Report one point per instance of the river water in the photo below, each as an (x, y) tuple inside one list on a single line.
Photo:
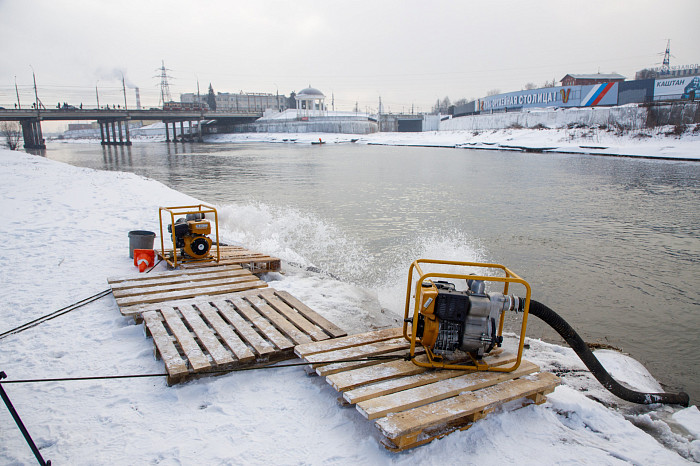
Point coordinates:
[(612, 244)]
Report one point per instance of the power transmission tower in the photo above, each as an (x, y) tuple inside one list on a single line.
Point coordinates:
[(164, 86), (666, 65)]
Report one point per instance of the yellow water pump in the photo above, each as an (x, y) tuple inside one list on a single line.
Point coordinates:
[(458, 327), (189, 233)]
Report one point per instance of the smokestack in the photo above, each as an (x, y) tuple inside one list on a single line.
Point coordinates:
[(138, 98)]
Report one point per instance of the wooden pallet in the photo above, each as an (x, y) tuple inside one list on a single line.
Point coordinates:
[(137, 294), (231, 255), (411, 405), (226, 332)]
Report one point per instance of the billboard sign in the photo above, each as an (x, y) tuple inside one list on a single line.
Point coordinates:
[(677, 87), (566, 96), (599, 94)]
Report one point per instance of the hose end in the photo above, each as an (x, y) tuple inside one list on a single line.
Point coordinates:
[(683, 399)]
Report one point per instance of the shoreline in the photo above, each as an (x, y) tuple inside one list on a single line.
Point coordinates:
[(660, 143)]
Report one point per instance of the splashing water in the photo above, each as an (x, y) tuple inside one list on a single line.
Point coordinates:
[(295, 237), (305, 240)]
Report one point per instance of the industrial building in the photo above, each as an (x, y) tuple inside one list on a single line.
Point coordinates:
[(590, 79), (240, 102)]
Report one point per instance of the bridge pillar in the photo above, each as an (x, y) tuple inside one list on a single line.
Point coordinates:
[(126, 130), (31, 132), (182, 131), (167, 132), (116, 135)]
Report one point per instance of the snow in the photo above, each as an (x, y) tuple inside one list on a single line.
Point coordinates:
[(292, 114), (660, 142), (689, 418), (66, 232), (556, 136)]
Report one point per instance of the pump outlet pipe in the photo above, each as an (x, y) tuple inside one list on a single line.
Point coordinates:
[(555, 321)]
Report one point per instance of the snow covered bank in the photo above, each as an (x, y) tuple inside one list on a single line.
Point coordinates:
[(596, 139), (660, 142), (69, 233)]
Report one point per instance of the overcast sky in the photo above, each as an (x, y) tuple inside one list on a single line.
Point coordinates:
[(408, 52)]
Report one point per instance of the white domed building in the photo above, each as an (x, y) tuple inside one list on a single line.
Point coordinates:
[(310, 103), (311, 115)]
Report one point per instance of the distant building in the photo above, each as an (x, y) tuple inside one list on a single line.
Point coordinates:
[(310, 103), (81, 126), (680, 71), (590, 79), (241, 102)]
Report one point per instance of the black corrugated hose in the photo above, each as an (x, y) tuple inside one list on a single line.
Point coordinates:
[(555, 321)]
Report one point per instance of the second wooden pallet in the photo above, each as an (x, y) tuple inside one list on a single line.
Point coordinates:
[(412, 405)]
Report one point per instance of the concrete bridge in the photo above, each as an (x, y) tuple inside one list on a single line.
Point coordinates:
[(114, 128)]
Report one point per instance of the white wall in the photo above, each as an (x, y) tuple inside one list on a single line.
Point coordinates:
[(628, 116)]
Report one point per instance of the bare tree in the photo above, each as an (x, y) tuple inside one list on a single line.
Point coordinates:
[(552, 83), (530, 86), (493, 92), (442, 106), (10, 131)]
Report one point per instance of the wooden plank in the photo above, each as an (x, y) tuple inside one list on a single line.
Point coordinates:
[(168, 273), (348, 380), (391, 387), (211, 274), (182, 286), (270, 295), (357, 352), (387, 387), (244, 328), (206, 336), (132, 311), (341, 367), (354, 352), (347, 342), (196, 358), (418, 396), (270, 332), (174, 363), (239, 349), (269, 264), (311, 315), (461, 406), (223, 250), (191, 293), (351, 379), (279, 321)]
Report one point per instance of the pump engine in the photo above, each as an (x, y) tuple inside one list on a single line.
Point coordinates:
[(457, 327), (189, 233), (451, 320)]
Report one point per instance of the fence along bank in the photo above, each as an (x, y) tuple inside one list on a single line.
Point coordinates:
[(604, 94)]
